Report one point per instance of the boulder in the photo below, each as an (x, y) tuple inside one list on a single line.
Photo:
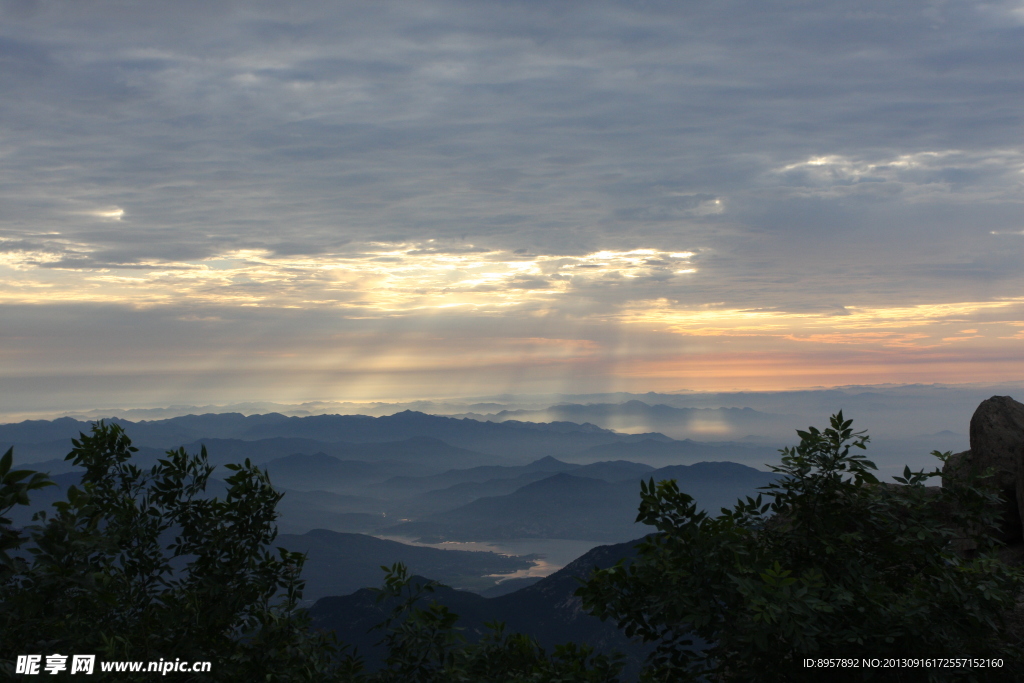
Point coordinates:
[(997, 441)]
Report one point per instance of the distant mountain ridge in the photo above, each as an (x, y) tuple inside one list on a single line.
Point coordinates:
[(635, 415), (566, 505), (664, 452), (518, 441)]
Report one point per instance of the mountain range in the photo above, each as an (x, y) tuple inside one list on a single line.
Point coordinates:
[(547, 610), (515, 442), (568, 505), (395, 476), (340, 563), (637, 416)]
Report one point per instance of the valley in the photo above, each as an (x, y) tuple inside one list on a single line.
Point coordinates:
[(470, 503)]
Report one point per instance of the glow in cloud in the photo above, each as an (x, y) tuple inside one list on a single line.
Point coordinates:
[(31, 253), (114, 214), (920, 327), (376, 277), (919, 174)]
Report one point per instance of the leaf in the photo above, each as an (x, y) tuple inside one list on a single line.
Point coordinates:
[(6, 461)]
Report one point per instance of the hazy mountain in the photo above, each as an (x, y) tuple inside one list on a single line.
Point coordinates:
[(302, 511), (886, 411), (62, 430), (715, 485), (519, 442), (510, 586), (574, 507), (560, 506), (404, 486), (44, 498), (613, 470), (52, 452), (222, 451), (324, 472), (48, 456), (339, 563), (414, 455), (161, 434), (423, 450), (662, 453), (439, 500), (637, 416), (547, 609)]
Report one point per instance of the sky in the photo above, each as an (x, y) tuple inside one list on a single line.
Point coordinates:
[(264, 201)]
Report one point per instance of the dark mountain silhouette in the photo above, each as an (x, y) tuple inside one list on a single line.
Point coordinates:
[(560, 506), (222, 451), (428, 451), (435, 500), (547, 609), (62, 430), (662, 452), (613, 470), (420, 455), (339, 563), (440, 500), (704, 477), (302, 511), (325, 472), (48, 456), (520, 442), (635, 415), (405, 485), (510, 586), (573, 507), (517, 440)]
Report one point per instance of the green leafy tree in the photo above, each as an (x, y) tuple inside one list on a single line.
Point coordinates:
[(834, 565), (144, 565), (425, 646), (14, 489)]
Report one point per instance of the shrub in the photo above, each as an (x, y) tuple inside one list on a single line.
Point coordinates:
[(833, 565), (141, 566)]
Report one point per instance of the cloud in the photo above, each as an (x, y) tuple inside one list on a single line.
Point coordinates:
[(114, 214), (608, 164), (380, 278), (981, 175)]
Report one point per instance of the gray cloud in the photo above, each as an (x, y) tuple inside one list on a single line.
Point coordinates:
[(813, 156)]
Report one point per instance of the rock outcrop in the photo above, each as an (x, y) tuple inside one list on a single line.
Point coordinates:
[(997, 441)]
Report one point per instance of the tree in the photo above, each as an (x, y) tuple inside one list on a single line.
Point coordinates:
[(835, 565), (14, 489), (146, 565), (425, 646), (141, 566)]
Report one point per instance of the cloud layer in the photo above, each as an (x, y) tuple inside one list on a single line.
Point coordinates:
[(616, 188)]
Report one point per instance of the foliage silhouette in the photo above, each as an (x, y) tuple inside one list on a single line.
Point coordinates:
[(833, 565), (144, 565), (827, 562), (141, 566)]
